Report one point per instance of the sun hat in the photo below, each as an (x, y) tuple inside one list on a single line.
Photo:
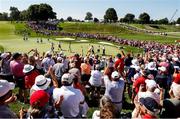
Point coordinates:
[(151, 66), (40, 97), (115, 74), (150, 83), (4, 55), (41, 83), (5, 87), (150, 104), (28, 68), (163, 69), (67, 77)]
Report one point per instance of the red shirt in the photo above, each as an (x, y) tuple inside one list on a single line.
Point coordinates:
[(119, 64), (148, 116), (30, 78), (138, 82)]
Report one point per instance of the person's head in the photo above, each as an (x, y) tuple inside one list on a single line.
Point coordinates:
[(38, 100), (6, 95), (67, 79), (162, 69), (41, 83), (105, 99), (149, 106), (25, 58), (108, 71), (151, 85), (115, 76), (118, 55), (28, 68), (108, 111), (59, 59), (32, 60), (17, 56)]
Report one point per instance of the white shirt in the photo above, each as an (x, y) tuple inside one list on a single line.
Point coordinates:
[(96, 78), (71, 102)]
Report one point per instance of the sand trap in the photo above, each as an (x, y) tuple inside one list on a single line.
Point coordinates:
[(65, 39), (105, 43)]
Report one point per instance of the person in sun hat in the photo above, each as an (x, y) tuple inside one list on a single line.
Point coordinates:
[(73, 98), (41, 83), (114, 90), (6, 97), (5, 70), (30, 75)]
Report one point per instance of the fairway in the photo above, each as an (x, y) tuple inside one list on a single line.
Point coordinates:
[(15, 43)]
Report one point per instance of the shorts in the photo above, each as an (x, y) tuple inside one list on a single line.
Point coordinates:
[(20, 82)]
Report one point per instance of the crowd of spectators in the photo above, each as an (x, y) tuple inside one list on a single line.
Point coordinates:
[(56, 85)]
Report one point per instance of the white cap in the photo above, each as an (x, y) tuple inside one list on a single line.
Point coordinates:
[(5, 87), (67, 77), (150, 83), (28, 68), (41, 83), (151, 66), (135, 62), (175, 58), (163, 69), (115, 74)]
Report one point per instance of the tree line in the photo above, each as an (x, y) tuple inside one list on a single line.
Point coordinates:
[(45, 11)]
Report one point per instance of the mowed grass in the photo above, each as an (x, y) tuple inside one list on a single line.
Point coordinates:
[(113, 29), (156, 27)]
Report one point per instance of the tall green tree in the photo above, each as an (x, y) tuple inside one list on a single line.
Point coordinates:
[(14, 13), (88, 16), (144, 18), (69, 18), (129, 18), (23, 15), (40, 12), (163, 21), (178, 21), (110, 15), (4, 16)]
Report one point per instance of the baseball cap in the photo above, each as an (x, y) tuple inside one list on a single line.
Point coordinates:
[(39, 96), (115, 74), (150, 83), (67, 77), (5, 87), (163, 69)]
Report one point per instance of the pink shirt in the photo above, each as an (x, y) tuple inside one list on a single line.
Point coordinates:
[(17, 68)]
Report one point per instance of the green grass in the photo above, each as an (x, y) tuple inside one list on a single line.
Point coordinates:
[(115, 30), (156, 27)]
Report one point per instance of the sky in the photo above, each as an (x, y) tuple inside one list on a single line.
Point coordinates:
[(77, 9)]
